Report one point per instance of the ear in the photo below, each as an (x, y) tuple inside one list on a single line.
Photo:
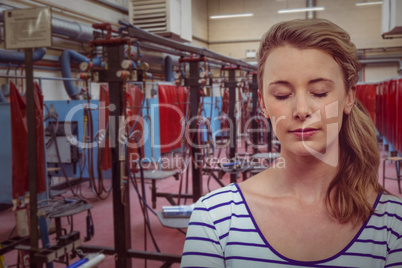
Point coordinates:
[(262, 104), (350, 100)]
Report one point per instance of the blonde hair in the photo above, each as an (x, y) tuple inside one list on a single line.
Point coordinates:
[(359, 157)]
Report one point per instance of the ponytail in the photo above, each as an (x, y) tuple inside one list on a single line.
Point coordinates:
[(359, 161)]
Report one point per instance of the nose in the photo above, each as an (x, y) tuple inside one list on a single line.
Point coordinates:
[(302, 107)]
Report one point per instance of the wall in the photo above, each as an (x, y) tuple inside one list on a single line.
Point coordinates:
[(232, 37), (378, 72), (200, 24), (362, 22)]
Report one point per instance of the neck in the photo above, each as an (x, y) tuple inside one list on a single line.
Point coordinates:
[(306, 178)]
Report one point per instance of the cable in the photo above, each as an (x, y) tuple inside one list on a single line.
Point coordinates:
[(98, 188), (143, 197), (100, 159), (193, 134), (183, 145), (62, 205), (88, 127), (54, 138)]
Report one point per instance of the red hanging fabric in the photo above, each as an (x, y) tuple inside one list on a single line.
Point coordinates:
[(371, 100), (134, 99), (171, 98), (19, 142), (103, 120), (225, 109)]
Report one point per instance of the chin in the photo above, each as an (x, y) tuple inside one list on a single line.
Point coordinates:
[(307, 149)]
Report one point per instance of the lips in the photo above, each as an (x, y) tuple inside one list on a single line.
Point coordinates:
[(305, 132)]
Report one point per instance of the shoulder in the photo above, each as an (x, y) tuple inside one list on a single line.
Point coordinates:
[(388, 225), (221, 197), (220, 205), (388, 203), (388, 214)]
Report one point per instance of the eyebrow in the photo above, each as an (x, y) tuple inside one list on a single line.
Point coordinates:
[(321, 80), (279, 82), (286, 83)]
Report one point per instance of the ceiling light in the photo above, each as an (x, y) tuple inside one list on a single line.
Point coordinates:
[(231, 16), (365, 3), (281, 11)]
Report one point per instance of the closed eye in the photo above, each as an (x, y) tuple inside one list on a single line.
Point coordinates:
[(320, 95), (281, 97)]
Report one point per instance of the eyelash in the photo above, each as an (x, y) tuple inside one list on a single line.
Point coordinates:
[(321, 95), (284, 97)]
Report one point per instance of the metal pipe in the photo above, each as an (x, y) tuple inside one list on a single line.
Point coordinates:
[(155, 47), (384, 61), (234, 41), (72, 30), (144, 35), (310, 14), (41, 78), (169, 69), (115, 6), (397, 56)]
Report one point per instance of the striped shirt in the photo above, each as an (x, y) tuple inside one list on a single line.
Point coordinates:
[(223, 233)]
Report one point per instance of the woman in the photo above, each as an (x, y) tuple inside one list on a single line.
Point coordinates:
[(325, 207)]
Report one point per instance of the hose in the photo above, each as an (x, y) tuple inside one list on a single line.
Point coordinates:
[(98, 187), (65, 58), (142, 198), (18, 57)]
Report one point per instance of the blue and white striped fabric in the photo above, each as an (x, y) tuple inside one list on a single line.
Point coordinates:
[(223, 233)]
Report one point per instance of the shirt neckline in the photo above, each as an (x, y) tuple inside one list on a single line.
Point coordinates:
[(340, 253)]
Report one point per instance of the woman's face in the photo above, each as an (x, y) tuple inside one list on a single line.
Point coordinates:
[(304, 95)]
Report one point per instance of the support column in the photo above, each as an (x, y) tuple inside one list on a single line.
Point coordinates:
[(254, 125), (192, 81), (231, 84), (33, 196), (121, 197)]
